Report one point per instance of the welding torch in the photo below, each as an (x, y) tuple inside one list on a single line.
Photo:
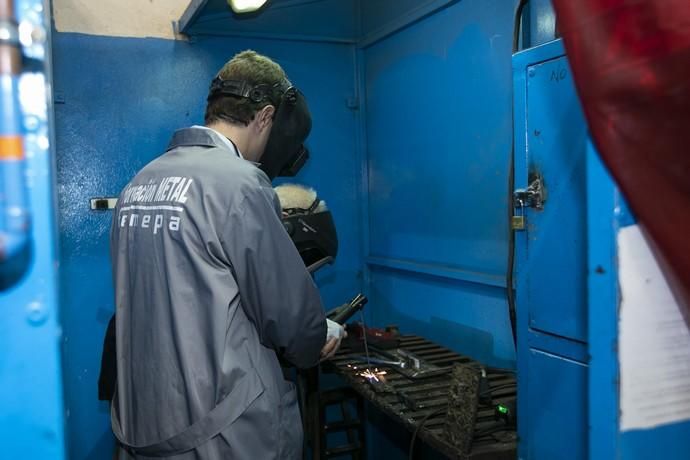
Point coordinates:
[(344, 312)]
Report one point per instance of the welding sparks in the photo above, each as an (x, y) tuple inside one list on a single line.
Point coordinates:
[(373, 375)]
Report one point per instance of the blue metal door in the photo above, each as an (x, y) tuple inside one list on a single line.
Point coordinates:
[(551, 257), (555, 244)]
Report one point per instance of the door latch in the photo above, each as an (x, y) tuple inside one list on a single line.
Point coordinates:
[(533, 196)]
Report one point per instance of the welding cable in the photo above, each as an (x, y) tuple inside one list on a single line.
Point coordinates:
[(517, 24), (510, 295), (500, 370), (496, 370), (420, 425), (492, 430), (499, 387)]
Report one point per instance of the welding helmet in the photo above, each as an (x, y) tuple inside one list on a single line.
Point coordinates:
[(285, 152), (309, 223)]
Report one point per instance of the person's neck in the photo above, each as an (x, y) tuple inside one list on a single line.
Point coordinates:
[(238, 135)]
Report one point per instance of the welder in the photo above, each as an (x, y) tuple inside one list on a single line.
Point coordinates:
[(210, 290)]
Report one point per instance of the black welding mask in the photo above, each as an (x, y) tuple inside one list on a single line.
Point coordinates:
[(310, 225), (285, 152)]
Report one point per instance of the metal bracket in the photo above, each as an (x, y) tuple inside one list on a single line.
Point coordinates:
[(103, 204), (534, 196)]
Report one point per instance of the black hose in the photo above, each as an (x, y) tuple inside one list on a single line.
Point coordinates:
[(493, 429), (517, 23), (498, 387), (419, 428), (510, 295)]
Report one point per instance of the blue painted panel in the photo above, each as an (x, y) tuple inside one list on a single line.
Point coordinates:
[(322, 20), (602, 286), (122, 100), (555, 265), (669, 442), (438, 139), (557, 419), (438, 111), (376, 14), (382, 18), (467, 317), (539, 22)]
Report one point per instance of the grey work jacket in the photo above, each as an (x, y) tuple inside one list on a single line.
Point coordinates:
[(209, 289)]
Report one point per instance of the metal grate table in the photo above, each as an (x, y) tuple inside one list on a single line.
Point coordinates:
[(430, 395)]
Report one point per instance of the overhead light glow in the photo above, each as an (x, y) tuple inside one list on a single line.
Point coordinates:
[(246, 6)]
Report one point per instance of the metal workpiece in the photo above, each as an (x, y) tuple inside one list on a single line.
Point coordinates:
[(382, 362), (405, 362)]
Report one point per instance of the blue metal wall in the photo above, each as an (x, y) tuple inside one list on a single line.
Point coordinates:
[(333, 21), (669, 442), (438, 126), (119, 101), (437, 99)]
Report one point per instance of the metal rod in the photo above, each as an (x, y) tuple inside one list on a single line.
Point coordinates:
[(364, 335)]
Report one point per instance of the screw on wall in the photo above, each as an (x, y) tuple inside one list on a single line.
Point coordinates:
[(352, 102), (36, 313)]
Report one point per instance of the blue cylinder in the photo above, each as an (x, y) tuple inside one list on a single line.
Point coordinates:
[(14, 220)]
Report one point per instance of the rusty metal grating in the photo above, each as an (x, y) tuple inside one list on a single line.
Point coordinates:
[(410, 401)]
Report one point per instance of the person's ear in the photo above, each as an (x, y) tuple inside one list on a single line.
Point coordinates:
[(265, 116)]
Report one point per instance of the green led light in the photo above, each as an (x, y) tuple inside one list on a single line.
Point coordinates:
[(502, 409)]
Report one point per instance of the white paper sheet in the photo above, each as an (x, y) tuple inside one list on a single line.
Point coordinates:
[(654, 341)]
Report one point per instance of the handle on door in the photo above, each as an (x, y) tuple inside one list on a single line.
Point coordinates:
[(534, 196)]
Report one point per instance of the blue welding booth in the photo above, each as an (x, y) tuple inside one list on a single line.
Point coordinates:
[(419, 108)]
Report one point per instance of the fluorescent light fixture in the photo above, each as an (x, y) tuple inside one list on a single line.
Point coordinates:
[(246, 6)]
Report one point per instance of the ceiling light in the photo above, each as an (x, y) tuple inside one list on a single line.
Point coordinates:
[(246, 6)]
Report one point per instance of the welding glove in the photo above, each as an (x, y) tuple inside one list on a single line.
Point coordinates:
[(334, 336)]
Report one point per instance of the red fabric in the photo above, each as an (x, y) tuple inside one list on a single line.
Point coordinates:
[(631, 63)]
